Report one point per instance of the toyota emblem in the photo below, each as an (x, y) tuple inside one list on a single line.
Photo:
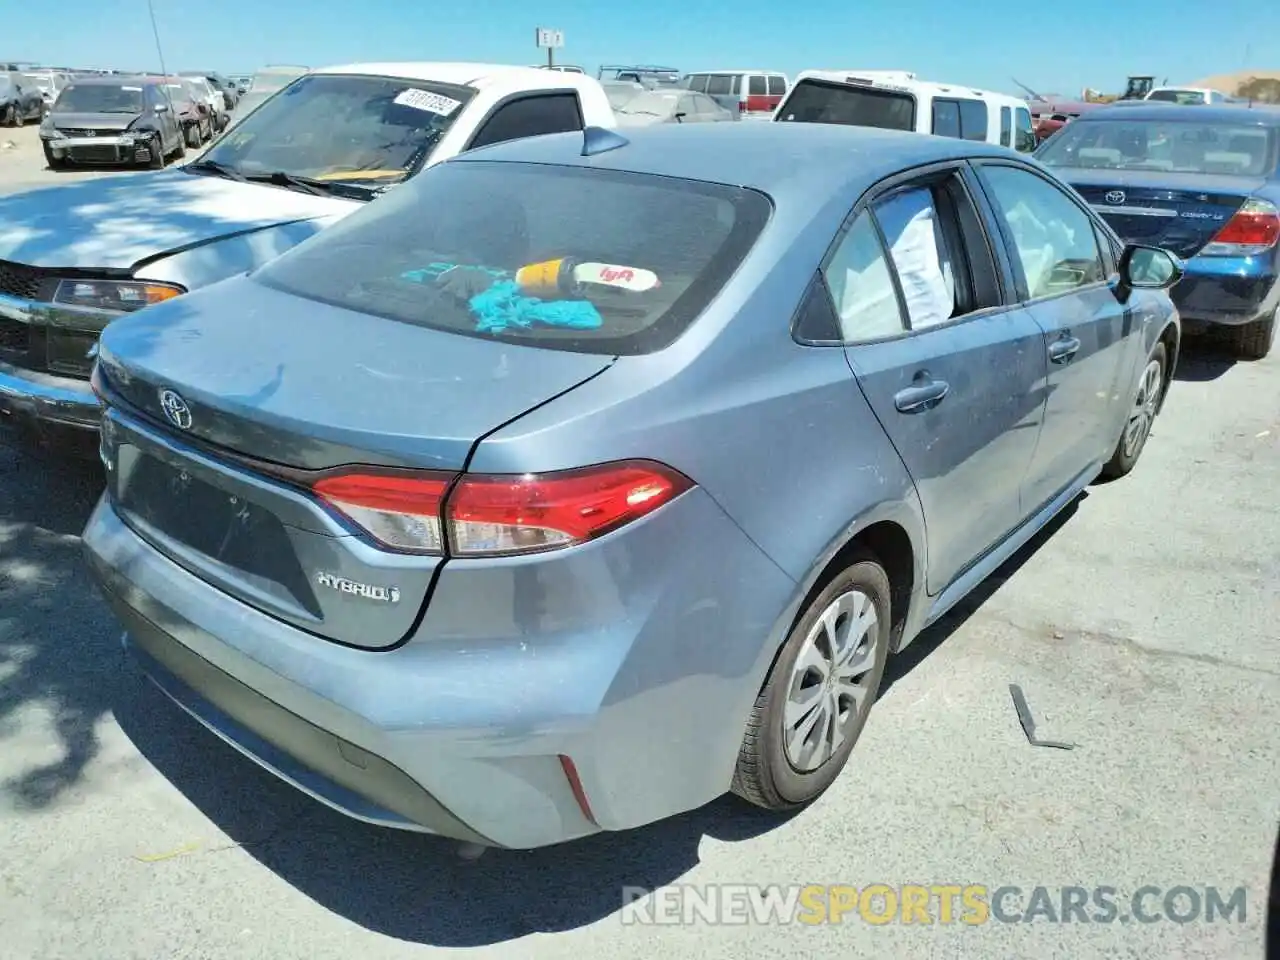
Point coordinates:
[(175, 409), (1115, 196)]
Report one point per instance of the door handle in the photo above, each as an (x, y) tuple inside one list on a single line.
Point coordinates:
[(1063, 349), (923, 394)]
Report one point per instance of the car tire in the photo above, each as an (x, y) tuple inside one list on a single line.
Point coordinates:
[(54, 163), (192, 136), (156, 149), (786, 759), (11, 117), (1253, 340), (1146, 395)]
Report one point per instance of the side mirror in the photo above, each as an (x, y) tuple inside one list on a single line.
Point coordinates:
[(162, 108), (1149, 268)]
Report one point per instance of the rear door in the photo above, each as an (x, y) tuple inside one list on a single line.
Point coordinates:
[(758, 100), (1065, 278), (954, 376), (1180, 212)]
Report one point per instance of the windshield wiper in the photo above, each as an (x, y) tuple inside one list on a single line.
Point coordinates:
[(279, 178), (220, 169)]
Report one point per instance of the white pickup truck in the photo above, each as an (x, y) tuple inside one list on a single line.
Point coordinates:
[(74, 257)]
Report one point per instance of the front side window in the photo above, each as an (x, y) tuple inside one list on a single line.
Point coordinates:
[(367, 131), (1055, 242), (1175, 146), (818, 101), (1006, 127), (531, 117), (100, 98), (861, 285), (566, 258)]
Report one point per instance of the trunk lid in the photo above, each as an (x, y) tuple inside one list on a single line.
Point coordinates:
[(1180, 212), (274, 386)]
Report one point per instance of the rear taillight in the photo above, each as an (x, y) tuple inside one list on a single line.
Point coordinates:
[(742, 106), (485, 515), (401, 511), (1254, 229)]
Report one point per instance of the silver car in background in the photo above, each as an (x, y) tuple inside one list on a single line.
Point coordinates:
[(670, 106)]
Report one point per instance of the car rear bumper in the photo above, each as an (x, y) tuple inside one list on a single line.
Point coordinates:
[(461, 731), (1226, 291)]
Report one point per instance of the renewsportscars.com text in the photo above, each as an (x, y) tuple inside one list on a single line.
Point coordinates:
[(926, 904)]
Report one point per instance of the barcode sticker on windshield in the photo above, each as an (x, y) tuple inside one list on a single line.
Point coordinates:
[(431, 102)]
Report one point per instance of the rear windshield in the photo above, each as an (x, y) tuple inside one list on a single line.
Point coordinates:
[(100, 98), (1177, 146), (816, 101), (1177, 96), (568, 258)]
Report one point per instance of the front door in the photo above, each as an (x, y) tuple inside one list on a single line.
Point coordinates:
[(954, 376), (1065, 279)]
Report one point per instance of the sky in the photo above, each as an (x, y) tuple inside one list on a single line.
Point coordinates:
[(981, 43)]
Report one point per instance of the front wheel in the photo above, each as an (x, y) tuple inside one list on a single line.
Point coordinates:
[(194, 140), (155, 160), (1253, 340), (1142, 414), (54, 162), (10, 116), (816, 700)]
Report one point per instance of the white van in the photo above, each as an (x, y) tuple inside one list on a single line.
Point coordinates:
[(897, 100), (748, 93)]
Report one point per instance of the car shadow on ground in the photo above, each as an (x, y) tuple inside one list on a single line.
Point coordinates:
[(1204, 358), (417, 888)]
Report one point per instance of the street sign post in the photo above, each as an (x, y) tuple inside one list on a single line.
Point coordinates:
[(549, 40)]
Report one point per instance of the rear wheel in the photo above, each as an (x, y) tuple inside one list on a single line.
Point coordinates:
[(10, 116), (1142, 414), (1253, 340), (818, 695)]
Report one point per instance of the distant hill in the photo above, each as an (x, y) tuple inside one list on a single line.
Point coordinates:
[(1262, 85)]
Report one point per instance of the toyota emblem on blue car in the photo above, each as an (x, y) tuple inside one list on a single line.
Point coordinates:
[(175, 409)]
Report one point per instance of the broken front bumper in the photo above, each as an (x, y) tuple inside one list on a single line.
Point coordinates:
[(122, 149), (45, 363)]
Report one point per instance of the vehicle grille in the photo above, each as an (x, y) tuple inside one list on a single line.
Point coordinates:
[(88, 133), (95, 154), (19, 280)]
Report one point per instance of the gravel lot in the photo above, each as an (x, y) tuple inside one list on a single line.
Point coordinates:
[(1144, 628)]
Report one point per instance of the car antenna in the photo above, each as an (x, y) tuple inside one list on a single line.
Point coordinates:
[(597, 140)]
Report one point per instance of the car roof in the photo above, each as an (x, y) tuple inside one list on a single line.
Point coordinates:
[(1258, 114), (466, 74), (788, 161), (770, 73), (116, 80)]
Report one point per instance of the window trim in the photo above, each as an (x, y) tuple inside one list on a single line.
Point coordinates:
[(938, 170), (511, 98), (1020, 288)]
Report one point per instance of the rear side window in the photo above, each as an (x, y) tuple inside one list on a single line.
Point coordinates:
[(567, 258), (719, 84), (817, 101), (777, 86), (530, 117), (946, 118), (861, 285), (1024, 140), (973, 120), (1006, 126), (757, 87)]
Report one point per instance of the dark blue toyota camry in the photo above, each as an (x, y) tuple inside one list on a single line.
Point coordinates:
[(1199, 181)]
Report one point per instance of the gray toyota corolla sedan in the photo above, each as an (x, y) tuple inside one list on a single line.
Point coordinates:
[(585, 479)]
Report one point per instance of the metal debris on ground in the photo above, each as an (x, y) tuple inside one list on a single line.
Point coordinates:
[(1029, 725)]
